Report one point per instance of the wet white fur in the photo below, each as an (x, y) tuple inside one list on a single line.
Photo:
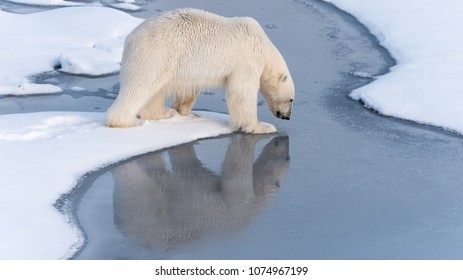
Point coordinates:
[(181, 52)]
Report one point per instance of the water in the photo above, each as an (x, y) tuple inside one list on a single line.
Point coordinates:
[(337, 182)]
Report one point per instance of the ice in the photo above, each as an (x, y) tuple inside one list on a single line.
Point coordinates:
[(47, 2), (27, 87), (56, 126), (126, 6), (426, 38), (79, 40), (90, 61), (362, 75), (120, 4)]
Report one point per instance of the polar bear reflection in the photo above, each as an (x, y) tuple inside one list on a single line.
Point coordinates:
[(163, 208)]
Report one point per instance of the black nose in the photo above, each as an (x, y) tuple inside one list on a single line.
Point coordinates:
[(282, 116)]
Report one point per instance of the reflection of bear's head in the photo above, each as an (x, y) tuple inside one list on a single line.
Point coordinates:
[(275, 158), (164, 207)]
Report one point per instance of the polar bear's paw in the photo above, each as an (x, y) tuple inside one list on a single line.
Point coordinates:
[(118, 121), (158, 115), (260, 128)]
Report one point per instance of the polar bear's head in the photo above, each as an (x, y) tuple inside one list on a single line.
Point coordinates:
[(278, 91)]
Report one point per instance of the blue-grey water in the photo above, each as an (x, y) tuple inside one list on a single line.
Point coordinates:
[(337, 182)]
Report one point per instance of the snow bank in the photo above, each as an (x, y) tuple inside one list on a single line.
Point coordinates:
[(126, 6), (120, 4), (80, 40), (43, 156), (46, 2), (426, 39)]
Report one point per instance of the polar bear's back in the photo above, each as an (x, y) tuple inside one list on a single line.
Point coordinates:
[(196, 26), (193, 41)]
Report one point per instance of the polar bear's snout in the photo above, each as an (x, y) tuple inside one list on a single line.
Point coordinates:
[(282, 110), (283, 116)]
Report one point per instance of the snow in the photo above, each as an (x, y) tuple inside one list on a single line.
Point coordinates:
[(126, 6), (121, 4), (46, 2), (44, 155), (426, 39), (83, 40)]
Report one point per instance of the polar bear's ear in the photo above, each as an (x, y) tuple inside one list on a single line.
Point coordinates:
[(283, 78)]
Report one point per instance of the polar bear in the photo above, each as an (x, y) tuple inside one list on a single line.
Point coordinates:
[(181, 52)]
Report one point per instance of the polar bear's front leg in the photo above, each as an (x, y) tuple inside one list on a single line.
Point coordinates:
[(242, 106)]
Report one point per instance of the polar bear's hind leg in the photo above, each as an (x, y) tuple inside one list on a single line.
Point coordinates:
[(185, 100), (155, 108)]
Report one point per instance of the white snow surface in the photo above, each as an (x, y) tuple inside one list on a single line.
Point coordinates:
[(426, 39), (83, 40), (44, 154), (47, 2), (126, 6), (120, 4)]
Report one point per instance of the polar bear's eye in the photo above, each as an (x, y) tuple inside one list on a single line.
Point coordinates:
[(283, 78)]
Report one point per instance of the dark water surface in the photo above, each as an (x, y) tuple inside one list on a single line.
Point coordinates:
[(337, 181)]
